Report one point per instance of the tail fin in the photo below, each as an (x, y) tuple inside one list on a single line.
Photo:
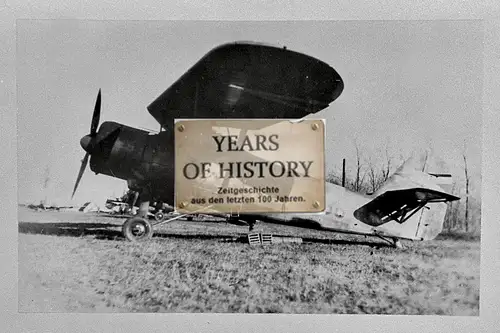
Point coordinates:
[(411, 174), (411, 204)]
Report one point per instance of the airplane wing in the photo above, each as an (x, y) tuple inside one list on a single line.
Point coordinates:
[(249, 80), (399, 205)]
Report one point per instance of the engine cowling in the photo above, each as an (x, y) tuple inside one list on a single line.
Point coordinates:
[(118, 151), (144, 160)]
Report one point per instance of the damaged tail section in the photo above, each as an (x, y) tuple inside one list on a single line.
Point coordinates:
[(411, 204)]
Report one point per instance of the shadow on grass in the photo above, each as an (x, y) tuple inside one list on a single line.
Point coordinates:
[(459, 236), (99, 230), (107, 231), (110, 231)]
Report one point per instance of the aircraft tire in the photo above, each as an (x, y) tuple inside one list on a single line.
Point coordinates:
[(159, 216), (137, 229), (398, 244)]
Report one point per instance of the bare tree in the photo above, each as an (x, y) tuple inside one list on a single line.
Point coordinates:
[(378, 175), (333, 178), (452, 212), (360, 175), (368, 173), (386, 171), (373, 178), (467, 179)]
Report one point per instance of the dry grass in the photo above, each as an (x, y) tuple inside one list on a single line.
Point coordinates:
[(175, 274)]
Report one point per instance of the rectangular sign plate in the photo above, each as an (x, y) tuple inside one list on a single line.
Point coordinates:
[(249, 166)]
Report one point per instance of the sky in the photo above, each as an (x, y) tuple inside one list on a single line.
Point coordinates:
[(409, 85)]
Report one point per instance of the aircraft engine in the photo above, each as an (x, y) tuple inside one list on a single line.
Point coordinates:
[(119, 151)]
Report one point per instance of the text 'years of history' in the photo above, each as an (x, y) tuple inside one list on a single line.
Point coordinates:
[(249, 165)]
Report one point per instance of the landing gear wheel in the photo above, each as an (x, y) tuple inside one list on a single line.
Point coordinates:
[(137, 229), (159, 216), (398, 244), (251, 225)]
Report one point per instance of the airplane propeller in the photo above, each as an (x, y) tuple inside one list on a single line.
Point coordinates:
[(88, 142), (96, 115)]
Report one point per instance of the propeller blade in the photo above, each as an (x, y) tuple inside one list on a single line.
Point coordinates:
[(96, 115), (80, 173)]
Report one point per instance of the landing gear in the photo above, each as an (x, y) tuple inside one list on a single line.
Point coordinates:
[(242, 220), (137, 229), (395, 242), (251, 225), (159, 216)]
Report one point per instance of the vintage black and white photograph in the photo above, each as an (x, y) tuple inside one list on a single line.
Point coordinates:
[(401, 102)]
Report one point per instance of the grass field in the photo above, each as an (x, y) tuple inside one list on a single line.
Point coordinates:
[(74, 262)]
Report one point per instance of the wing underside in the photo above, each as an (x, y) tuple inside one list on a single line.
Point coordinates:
[(244, 80)]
